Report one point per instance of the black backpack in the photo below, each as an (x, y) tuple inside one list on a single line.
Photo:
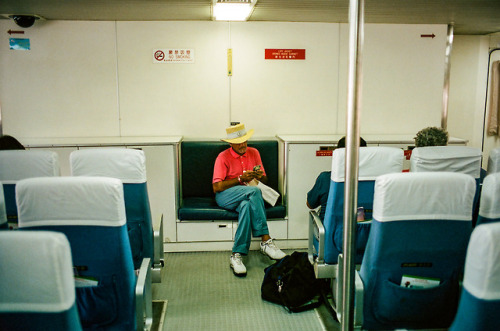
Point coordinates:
[(291, 282)]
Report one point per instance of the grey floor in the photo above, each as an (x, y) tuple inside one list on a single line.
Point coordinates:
[(203, 294)]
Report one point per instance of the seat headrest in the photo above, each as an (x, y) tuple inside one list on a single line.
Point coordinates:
[(482, 264), (94, 201), (494, 161), (463, 159), (36, 273), (490, 196), (423, 196), (128, 165), (3, 211), (20, 164), (373, 162)]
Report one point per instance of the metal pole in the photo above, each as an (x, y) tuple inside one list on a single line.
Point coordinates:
[(486, 96), (356, 21), (446, 86)]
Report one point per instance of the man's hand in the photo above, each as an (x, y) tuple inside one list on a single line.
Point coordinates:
[(258, 174), (249, 175)]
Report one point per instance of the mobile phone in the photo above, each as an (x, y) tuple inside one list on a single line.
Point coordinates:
[(256, 168)]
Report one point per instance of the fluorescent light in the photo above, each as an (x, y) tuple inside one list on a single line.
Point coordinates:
[(233, 11)]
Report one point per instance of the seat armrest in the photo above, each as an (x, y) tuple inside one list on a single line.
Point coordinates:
[(358, 295), (143, 297), (316, 230), (358, 300), (158, 253)]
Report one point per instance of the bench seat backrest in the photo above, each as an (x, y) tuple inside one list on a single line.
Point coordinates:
[(198, 160)]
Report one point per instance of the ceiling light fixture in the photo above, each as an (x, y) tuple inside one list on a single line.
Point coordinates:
[(233, 10)]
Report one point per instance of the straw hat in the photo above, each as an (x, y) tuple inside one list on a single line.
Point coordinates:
[(237, 134)]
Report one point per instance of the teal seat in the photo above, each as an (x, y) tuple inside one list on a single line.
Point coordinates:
[(21, 164), (90, 212), (3, 214), (489, 208), (37, 288), (128, 165), (416, 250)]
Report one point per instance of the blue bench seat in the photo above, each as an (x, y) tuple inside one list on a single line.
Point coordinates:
[(197, 164), (200, 208)]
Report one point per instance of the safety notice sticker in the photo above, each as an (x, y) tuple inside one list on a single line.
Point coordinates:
[(173, 55), (285, 54)]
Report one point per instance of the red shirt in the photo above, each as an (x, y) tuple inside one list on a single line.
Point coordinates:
[(230, 164)]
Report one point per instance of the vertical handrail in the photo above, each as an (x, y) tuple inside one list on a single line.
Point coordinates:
[(446, 85), (487, 94), (356, 24)]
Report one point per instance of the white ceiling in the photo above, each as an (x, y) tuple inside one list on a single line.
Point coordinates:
[(469, 16)]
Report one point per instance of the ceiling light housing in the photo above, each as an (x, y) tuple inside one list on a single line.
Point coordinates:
[(232, 10)]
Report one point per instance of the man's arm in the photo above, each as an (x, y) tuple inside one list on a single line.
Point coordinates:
[(319, 192), (242, 179), (224, 185)]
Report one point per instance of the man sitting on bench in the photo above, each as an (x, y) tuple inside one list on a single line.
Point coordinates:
[(234, 168)]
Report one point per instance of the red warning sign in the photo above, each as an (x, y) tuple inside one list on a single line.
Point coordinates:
[(285, 54), (324, 153), (407, 154)]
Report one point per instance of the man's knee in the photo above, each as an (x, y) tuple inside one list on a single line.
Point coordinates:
[(254, 190), (243, 204)]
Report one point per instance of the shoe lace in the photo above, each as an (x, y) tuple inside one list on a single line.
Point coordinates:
[(237, 258), (270, 244)]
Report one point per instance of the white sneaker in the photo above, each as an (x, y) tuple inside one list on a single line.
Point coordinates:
[(237, 265), (270, 249)]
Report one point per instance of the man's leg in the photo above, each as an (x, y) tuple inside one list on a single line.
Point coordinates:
[(237, 199), (258, 213), (253, 215), (247, 201)]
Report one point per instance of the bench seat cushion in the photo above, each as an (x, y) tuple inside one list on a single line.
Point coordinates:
[(195, 209)]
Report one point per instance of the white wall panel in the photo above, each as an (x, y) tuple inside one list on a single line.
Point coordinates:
[(303, 169), (173, 99), (490, 142), (469, 68), (285, 96), (65, 85), (403, 76), (99, 79)]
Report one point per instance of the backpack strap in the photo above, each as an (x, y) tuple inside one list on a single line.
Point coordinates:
[(315, 303)]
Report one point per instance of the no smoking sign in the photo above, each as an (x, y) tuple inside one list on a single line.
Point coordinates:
[(159, 55), (173, 55)]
